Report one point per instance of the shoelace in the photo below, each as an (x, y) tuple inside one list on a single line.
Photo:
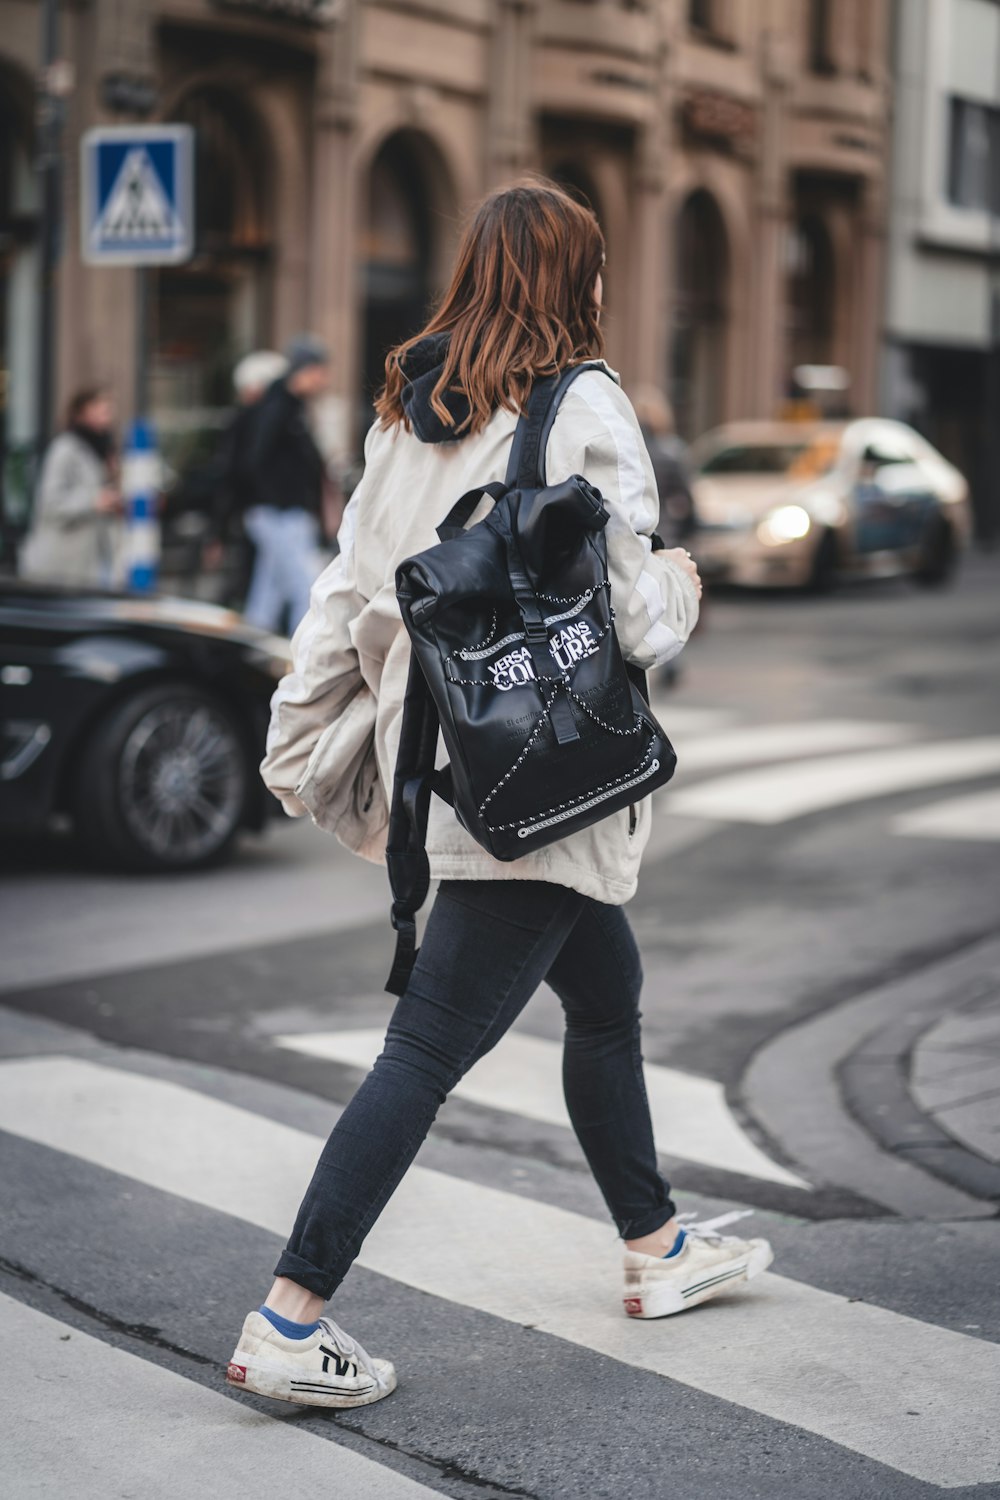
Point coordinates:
[(708, 1229), (350, 1346)]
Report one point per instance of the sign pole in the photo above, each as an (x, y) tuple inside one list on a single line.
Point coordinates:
[(137, 209), (141, 343), (49, 123)]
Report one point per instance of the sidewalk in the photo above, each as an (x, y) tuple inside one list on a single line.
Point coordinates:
[(955, 1076)]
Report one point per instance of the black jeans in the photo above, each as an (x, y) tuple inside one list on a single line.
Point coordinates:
[(488, 946)]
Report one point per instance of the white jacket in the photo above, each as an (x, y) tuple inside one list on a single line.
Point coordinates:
[(335, 719), (71, 541)]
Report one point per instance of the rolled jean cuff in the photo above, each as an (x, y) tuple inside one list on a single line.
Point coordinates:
[(649, 1223), (321, 1283)]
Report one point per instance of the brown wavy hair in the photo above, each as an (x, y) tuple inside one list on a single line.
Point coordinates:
[(521, 304)]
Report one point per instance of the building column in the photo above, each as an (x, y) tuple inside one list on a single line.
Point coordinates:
[(96, 318), (868, 279), (652, 257), (511, 147), (765, 349), (336, 206)]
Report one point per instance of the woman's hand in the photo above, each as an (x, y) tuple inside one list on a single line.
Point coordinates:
[(109, 500), (684, 561)]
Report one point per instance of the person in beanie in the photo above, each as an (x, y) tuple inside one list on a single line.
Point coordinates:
[(253, 377), (286, 479)]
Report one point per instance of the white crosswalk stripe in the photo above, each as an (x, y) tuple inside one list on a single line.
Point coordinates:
[(847, 1371), (128, 1427), (774, 794), (522, 1075), (745, 744), (974, 817)]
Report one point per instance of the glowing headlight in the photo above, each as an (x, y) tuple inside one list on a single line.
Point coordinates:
[(789, 523)]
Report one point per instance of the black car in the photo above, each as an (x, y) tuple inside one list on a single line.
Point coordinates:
[(143, 720)]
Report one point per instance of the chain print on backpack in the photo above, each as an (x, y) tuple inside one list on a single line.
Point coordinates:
[(563, 677), (591, 798), (563, 810), (489, 647), (532, 737)]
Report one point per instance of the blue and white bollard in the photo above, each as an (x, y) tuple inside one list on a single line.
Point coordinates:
[(141, 476)]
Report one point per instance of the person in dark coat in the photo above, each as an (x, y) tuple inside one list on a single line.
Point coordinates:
[(231, 491), (286, 482), (668, 455)]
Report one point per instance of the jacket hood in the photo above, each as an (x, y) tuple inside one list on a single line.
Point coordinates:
[(422, 368)]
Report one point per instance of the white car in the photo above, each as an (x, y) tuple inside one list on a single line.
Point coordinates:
[(797, 505)]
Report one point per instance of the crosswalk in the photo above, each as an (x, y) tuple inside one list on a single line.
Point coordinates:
[(691, 1118), (915, 1399), (141, 1430), (911, 1396), (768, 774)]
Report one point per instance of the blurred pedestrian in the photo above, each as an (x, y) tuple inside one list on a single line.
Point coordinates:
[(446, 423), (78, 529), (287, 483), (252, 378), (669, 457)]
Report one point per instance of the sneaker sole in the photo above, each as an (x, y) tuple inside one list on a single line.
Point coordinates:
[(667, 1300), (278, 1386)]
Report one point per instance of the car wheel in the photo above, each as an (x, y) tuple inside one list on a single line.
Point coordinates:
[(938, 555), (826, 559), (163, 781)]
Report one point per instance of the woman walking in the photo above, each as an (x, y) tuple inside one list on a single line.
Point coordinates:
[(77, 534), (524, 302)]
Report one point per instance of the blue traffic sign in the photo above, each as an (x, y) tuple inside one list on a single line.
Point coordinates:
[(137, 198)]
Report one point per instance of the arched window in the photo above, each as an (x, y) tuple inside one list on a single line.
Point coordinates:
[(811, 293), (700, 316), (407, 201), (215, 309), (19, 300), (820, 37)]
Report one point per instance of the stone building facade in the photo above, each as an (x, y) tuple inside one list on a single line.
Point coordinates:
[(941, 366), (735, 151)]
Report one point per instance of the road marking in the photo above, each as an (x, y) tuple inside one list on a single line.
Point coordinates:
[(973, 817), (523, 1076), (128, 1427), (777, 793), (742, 745), (846, 1371), (684, 720)]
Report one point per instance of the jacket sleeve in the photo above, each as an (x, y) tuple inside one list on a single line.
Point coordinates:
[(67, 490), (325, 675), (596, 434)]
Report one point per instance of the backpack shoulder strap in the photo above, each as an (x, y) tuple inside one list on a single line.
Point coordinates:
[(406, 851), (526, 467)]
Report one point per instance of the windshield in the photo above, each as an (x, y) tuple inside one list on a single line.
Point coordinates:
[(798, 458)]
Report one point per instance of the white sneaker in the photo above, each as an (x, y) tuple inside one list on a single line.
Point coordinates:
[(326, 1369), (708, 1263)]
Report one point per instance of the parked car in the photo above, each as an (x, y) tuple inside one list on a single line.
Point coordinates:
[(800, 505), (142, 719)]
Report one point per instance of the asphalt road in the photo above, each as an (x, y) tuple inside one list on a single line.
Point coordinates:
[(820, 923)]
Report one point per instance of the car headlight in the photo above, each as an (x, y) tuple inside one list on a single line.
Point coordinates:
[(788, 523)]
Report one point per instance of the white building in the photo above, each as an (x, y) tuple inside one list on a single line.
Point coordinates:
[(941, 368)]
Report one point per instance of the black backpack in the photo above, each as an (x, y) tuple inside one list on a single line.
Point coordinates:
[(516, 661)]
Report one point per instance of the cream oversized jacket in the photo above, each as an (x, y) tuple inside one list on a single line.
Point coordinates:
[(335, 719)]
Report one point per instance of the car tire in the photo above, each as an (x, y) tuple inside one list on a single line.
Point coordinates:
[(825, 565), (938, 556), (163, 781)]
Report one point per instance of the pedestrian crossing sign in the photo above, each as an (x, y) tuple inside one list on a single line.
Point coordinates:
[(137, 202)]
